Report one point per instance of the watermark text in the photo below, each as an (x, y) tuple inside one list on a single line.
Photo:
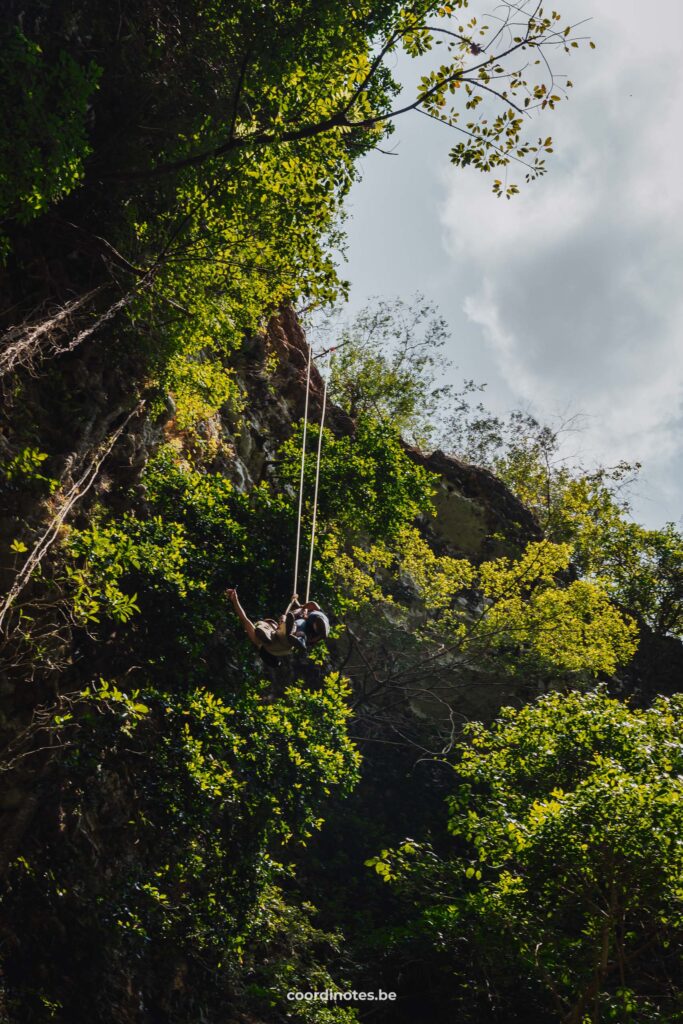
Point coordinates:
[(329, 995)]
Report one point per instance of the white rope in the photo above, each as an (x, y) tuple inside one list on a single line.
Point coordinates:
[(315, 495), (301, 478)]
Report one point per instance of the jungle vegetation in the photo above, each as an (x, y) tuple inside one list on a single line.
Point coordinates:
[(185, 836)]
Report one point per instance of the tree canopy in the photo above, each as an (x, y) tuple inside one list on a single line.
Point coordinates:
[(560, 896)]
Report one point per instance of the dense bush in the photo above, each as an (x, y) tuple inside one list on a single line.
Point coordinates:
[(560, 897)]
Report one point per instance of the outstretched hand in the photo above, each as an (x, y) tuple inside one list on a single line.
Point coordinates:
[(231, 594)]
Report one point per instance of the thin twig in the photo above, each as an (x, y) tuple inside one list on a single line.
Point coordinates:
[(75, 493)]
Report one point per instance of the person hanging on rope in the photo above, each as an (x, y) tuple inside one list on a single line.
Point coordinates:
[(301, 626)]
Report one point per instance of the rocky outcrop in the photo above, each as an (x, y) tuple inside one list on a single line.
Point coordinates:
[(477, 515), (656, 668)]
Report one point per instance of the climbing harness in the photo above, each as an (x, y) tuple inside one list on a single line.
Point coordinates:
[(301, 483)]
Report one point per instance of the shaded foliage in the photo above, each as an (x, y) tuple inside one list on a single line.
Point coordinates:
[(200, 795), (43, 125)]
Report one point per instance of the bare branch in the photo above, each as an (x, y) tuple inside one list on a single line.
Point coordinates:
[(25, 341), (73, 495)]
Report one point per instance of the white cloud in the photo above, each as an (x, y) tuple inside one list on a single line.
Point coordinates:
[(567, 298), (574, 286)]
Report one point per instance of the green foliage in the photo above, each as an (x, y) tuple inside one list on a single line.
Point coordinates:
[(564, 886), (107, 698), (222, 787), (24, 469), (277, 760), (200, 534), (236, 230), (369, 487), (641, 569), (104, 554), (173, 562), (331, 79), (573, 627), (525, 619), (476, 56), (525, 615), (387, 363), (242, 256), (201, 386), (288, 953), (42, 125), (225, 192)]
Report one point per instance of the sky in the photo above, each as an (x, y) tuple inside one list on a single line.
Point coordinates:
[(567, 299)]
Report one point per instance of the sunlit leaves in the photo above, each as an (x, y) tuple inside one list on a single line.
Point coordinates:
[(25, 469), (639, 568), (564, 885), (495, 64), (593, 790), (43, 140), (525, 615), (368, 485)]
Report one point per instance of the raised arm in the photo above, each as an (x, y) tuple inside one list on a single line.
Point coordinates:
[(243, 617)]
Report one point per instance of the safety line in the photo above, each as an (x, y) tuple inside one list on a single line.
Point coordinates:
[(315, 495), (301, 478)]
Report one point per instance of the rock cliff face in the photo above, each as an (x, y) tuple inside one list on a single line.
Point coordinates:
[(477, 517), (474, 508)]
